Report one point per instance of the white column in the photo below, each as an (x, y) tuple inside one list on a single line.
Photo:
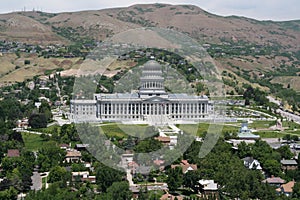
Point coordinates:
[(146, 111), (186, 112)]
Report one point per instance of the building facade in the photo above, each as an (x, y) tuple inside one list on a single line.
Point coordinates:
[(150, 103)]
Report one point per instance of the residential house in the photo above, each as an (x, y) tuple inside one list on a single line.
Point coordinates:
[(13, 153), (164, 140), (73, 156), (81, 147), (185, 166), (251, 163), (286, 189), (160, 164), (144, 170), (170, 197), (208, 188), (23, 124), (83, 176), (132, 166), (275, 181), (289, 164)]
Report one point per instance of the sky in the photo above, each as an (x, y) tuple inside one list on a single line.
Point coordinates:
[(277, 10)]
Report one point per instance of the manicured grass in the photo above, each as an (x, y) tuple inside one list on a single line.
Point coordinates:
[(202, 127), (290, 125), (293, 132), (49, 129), (123, 131), (33, 142), (270, 134), (261, 124)]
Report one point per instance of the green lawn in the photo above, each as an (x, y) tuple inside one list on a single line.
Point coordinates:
[(270, 134), (32, 141), (290, 125), (202, 127), (261, 124), (49, 129), (123, 131)]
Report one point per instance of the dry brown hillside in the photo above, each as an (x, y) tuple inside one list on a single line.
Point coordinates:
[(18, 27), (205, 26), (38, 27), (275, 38)]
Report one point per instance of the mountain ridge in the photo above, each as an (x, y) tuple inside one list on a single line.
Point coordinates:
[(190, 19)]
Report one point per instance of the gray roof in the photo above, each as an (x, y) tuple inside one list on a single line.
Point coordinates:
[(83, 101), (288, 162), (186, 96), (247, 135), (120, 96), (274, 180)]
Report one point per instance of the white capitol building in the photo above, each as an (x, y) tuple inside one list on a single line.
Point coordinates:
[(151, 104)]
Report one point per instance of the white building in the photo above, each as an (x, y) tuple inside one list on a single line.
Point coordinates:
[(150, 103)]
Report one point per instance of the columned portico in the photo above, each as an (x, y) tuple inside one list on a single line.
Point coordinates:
[(151, 102)]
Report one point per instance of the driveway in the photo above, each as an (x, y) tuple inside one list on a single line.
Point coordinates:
[(36, 181)]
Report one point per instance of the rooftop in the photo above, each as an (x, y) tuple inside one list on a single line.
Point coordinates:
[(13, 153), (288, 162), (73, 154), (286, 188), (208, 184), (274, 180)]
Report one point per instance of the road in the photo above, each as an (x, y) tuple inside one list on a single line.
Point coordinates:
[(32, 132), (129, 178), (289, 116)]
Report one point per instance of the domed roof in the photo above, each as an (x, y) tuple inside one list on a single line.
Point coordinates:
[(152, 65)]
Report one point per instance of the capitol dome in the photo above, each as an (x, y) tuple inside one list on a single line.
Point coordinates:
[(152, 65)]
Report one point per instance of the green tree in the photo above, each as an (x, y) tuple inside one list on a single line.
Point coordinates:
[(117, 191), (106, 176), (46, 110), (175, 178), (148, 145), (57, 173), (244, 150), (9, 194), (296, 191), (285, 152), (143, 194), (191, 178), (272, 167), (50, 156), (38, 121)]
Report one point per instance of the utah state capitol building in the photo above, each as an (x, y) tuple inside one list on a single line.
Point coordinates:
[(150, 104)]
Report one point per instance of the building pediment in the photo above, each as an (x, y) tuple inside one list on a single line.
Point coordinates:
[(156, 99)]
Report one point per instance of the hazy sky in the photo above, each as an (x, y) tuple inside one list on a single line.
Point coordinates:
[(258, 9)]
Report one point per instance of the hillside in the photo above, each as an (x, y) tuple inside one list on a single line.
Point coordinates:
[(243, 46), (207, 27)]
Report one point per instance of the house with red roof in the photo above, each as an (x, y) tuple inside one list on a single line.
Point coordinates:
[(186, 166), (286, 189), (13, 153)]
